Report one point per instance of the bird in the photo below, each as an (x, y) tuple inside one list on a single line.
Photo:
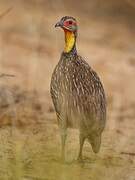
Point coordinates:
[(77, 93)]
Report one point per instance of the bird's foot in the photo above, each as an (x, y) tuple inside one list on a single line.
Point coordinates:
[(62, 160), (80, 159)]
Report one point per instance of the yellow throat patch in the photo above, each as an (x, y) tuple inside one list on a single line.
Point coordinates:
[(69, 41)]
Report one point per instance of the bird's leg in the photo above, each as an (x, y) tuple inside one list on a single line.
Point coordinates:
[(81, 139), (63, 141), (95, 142), (63, 131)]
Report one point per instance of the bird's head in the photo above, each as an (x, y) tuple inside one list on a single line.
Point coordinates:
[(69, 25)]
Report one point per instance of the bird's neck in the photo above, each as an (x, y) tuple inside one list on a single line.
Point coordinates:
[(70, 41)]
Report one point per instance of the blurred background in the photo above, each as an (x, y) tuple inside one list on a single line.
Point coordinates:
[(30, 47)]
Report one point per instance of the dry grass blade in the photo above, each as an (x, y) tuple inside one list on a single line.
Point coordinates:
[(131, 3), (128, 153), (6, 75), (5, 12)]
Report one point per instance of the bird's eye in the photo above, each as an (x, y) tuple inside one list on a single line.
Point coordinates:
[(70, 22)]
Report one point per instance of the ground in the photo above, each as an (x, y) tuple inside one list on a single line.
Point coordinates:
[(29, 49)]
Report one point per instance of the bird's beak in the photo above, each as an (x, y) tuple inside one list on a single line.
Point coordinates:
[(58, 24)]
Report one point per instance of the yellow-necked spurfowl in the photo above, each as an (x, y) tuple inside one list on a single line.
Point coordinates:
[(77, 92)]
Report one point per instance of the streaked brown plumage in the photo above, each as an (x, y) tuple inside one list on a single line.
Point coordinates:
[(78, 94)]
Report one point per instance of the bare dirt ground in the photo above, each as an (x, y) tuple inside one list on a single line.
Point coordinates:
[(29, 49)]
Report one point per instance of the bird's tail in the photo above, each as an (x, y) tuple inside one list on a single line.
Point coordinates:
[(95, 142)]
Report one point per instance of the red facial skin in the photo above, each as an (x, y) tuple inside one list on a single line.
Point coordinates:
[(68, 24)]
